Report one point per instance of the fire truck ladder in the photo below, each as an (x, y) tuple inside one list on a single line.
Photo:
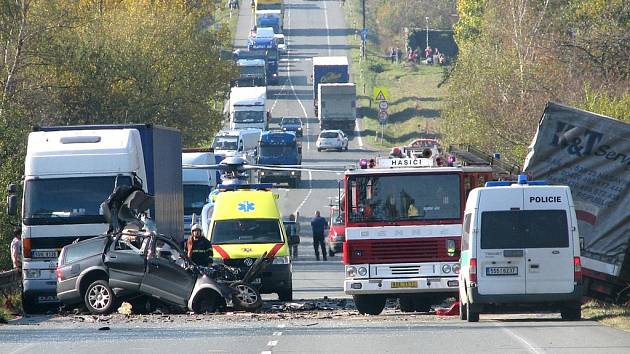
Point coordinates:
[(467, 155)]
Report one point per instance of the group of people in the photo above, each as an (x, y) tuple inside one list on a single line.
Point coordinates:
[(413, 56), (434, 57), (319, 226), (395, 55)]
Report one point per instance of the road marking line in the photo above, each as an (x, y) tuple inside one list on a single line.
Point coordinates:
[(272, 343), (327, 27), (529, 346), (21, 349), (277, 334), (358, 131), (281, 325), (266, 352)]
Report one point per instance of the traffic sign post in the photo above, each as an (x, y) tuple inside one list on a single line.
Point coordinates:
[(382, 117), (382, 105)]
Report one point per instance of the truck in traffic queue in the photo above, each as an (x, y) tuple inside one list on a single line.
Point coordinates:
[(70, 170), (270, 18), (197, 183), (267, 48), (327, 70), (590, 153), (270, 57), (251, 73), (264, 5), (403, 222), (279, 148), (243, 143), (337, 106), (247, 108)]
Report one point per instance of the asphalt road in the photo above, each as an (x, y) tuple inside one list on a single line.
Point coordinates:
[(313, 28)]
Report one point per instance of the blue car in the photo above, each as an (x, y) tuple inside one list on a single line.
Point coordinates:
[(292, 124)]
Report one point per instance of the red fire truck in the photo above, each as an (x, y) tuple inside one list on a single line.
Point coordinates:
[(403, 221)]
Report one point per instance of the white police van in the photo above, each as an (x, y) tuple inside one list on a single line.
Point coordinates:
[(520, 251)]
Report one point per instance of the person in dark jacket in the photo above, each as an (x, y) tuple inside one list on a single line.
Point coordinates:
[(319, 226), (198, 248)]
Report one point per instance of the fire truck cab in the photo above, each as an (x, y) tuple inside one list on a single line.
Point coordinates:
[(403, 220)]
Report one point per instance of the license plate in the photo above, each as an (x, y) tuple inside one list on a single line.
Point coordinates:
[(44, 254), (404, 284), (48, 298), (502, 271)]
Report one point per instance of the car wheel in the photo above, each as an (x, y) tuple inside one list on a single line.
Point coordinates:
[(572, 313), (246, 297), (346, 147), (369, 304), (471, 316), (331, 253), (99, 298), (319, 149), (205, 302), (340, 149)]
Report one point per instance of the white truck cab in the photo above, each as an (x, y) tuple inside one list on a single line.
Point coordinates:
[(520, 250), (247, 108)]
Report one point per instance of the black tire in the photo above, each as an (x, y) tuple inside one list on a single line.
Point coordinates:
[(286, 294), (346, 148), (331, 253), (407, 304), (340, 149), (246, 297), (471, 316), (572, 313), (29, 305), (319, 150), (369, 304), (462, 310), (205, 302), (99, 298)]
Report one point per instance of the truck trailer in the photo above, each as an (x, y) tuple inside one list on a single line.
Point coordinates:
[(337, 106), (328, 70)]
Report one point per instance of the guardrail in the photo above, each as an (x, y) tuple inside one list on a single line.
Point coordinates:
[(10, 280)]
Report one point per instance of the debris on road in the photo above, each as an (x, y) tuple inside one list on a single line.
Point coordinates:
[(125, 309)]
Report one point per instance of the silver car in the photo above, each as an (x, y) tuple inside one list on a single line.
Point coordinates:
[(332, 139)]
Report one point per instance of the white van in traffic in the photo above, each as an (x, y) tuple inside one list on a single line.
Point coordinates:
[(520, 251)]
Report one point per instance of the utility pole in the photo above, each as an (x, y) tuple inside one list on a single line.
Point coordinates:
[(363, 38), (427, 19)]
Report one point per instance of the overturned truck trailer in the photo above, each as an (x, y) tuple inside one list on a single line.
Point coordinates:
[(591, 154)]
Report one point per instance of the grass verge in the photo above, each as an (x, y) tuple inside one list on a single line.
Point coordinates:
[(415, 102), (616, 316), (10, 304)]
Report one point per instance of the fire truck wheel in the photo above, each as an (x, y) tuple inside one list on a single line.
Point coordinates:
[(369, 304), (462, 310)]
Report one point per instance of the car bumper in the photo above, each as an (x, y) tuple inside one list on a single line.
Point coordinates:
[(325, 146), (481, 302), (275, 278), (280, 176), (384, 286)]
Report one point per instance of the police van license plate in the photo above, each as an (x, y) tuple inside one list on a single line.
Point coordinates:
[(502, 271), (44, 254), (404, 284)]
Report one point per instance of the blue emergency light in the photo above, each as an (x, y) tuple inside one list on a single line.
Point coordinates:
[(522, 180)]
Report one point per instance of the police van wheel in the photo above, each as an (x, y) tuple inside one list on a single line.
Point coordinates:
[(331, 253), (369, 304), (572, 312), (462, 310), (471, 316)]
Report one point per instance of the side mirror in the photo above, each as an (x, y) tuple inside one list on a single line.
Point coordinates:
[(12, 204), (11, 188)]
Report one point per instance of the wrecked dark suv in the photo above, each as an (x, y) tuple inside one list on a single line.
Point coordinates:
[(102, 270), (131, 261)]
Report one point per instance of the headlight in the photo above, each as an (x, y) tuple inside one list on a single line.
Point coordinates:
[(284, 129), (262, 173), (351, 272), (32, 273), (362, 271), (300, 128), (292, 173), (281, 260), (446, 268), (456, 267)]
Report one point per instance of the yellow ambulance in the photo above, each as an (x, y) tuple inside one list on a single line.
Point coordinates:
[(246, 223)]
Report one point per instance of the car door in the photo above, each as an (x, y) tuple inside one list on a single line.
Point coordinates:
[(500, 252), (549, 251), (166, 276), (126, 263)]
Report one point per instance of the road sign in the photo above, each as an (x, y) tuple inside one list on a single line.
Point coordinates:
[(381, 93), (382, 105), (382, 117)]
